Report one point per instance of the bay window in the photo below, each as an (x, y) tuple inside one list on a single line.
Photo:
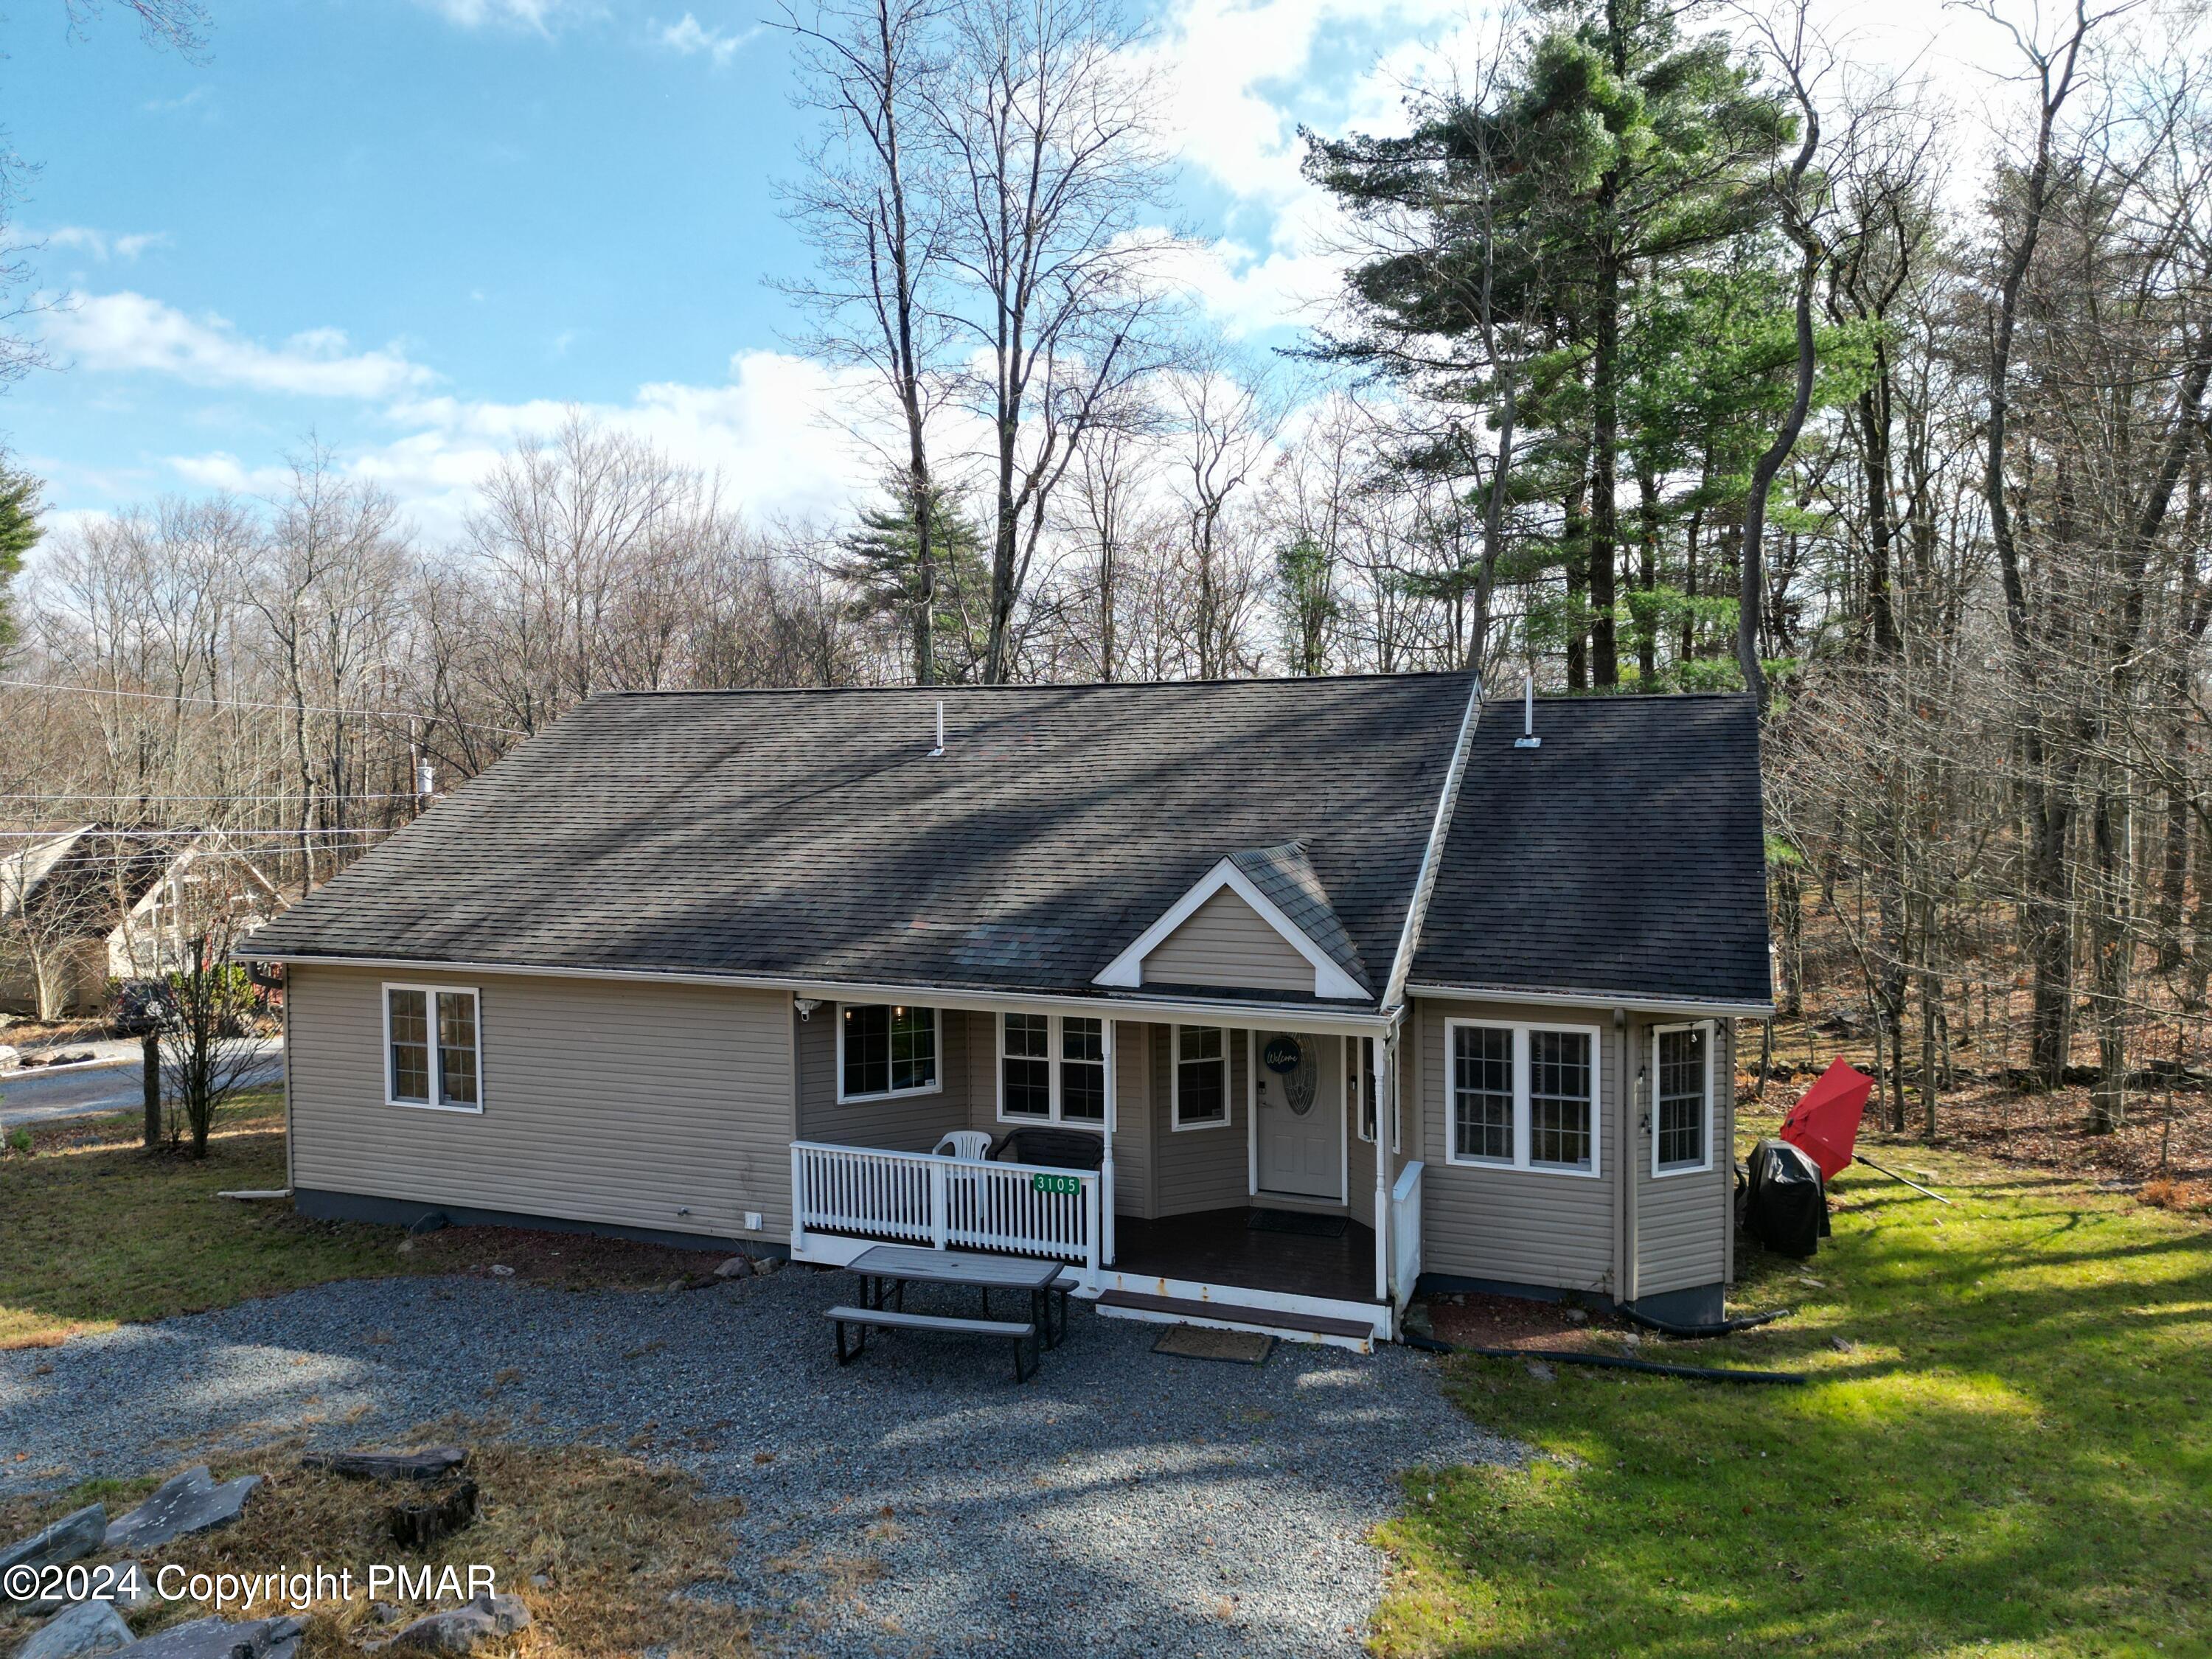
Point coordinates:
[(1522, 1096), (1682, 1098)]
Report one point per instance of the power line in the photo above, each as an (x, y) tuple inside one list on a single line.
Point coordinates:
[(263, 795), (188, 834), (239, 702)]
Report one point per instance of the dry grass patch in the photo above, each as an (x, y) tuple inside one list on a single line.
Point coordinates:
[(626, 1549)]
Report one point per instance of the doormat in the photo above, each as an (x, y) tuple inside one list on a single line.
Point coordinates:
[(1295, 1222), (1203, 1342)]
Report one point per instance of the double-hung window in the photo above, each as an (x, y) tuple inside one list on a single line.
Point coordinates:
[(1052, 1069), (885, 1049), (1201, 1076), (433, 1048), (1682, 1098), (1523, 1097)]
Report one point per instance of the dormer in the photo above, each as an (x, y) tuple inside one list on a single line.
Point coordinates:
[(1260, 920)]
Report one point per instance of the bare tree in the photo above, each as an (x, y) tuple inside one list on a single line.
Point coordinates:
[(872, 202), (1052, 160)]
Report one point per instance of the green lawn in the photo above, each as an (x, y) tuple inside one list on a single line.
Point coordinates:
[(2004, 1448), (93, 1235)]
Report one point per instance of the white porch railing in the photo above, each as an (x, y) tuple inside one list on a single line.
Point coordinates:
[(1405, 1233), (947, 1203)]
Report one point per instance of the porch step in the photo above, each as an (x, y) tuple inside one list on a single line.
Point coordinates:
[(1138, 1304)]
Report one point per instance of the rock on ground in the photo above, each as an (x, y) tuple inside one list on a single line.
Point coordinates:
[(423, 1463), (72, 1538), (465, 1629), (192, 1502), (219, 1639), (77, 1632)]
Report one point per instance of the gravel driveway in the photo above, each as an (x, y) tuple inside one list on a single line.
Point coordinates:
[(1119, 1503)]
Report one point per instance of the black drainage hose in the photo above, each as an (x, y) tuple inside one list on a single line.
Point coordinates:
[(1724, 1327), (1611, 1362)]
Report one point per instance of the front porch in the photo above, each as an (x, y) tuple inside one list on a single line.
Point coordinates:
[(1223, 1247), (1194, 1128), (1304, 1276)]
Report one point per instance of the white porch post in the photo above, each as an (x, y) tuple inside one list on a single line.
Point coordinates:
[(797, 1201), (939, 1217), (1094, 1191), (1386, 1090), (1106, 1161)]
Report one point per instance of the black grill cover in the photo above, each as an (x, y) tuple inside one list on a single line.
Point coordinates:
[(1785, 1204)]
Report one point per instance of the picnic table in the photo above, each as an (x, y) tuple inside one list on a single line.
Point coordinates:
[(892, 1266)]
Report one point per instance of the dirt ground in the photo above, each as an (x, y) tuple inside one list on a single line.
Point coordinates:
[(2168, 1137), (1985, 1104), (1471, 1319), (574, 1262)]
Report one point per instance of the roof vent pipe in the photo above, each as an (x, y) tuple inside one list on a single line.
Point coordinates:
[(938, 753), (1528, 739)]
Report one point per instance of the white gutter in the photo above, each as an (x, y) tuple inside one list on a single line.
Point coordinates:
[(1257, 1016), (1689, 1008)]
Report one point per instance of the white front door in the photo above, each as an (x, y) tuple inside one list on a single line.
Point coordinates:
[(1299, 1120)]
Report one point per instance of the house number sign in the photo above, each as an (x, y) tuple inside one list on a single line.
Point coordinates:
[(1069, 1185)]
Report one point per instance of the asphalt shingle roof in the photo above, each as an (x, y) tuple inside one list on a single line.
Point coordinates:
[(1627, 855), (1287, 877), (807, 836)]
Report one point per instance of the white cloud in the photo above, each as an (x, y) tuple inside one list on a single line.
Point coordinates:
[(1248, 291), (778, 435), (690, 37), (101, 246), (126, 333), (198, 98), (1240, 75), (533, 16)]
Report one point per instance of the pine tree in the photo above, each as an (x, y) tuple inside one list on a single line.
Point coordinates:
[(1566, 194), (947, 626), (19, 532)]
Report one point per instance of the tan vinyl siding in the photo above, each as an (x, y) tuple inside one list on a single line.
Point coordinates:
[(1225, 942), (1683, 1221), (1520, 1226), (1207, 1169), (905, 1123), (1134, 1141), (613, 1102)]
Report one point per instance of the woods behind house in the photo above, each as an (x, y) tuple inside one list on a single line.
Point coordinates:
[(1673, 351)]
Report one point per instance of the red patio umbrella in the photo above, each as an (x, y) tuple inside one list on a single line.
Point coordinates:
[(1825, 1124)]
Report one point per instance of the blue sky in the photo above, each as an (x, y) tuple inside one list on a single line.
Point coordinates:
[(419, 227)]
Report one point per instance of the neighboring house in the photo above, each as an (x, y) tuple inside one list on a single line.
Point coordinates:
[(85, 908), (728, 965)]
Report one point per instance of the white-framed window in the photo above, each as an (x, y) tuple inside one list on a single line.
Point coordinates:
[(1052, 1069), (1200, 1084), (433, 1048), (1682, 1098), (1522, 1096), (885, 1050)]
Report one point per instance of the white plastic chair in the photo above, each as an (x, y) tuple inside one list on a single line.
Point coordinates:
[(969, 1145)]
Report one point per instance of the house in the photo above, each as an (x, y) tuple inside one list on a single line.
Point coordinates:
[(1332, 986), (83, 908)]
